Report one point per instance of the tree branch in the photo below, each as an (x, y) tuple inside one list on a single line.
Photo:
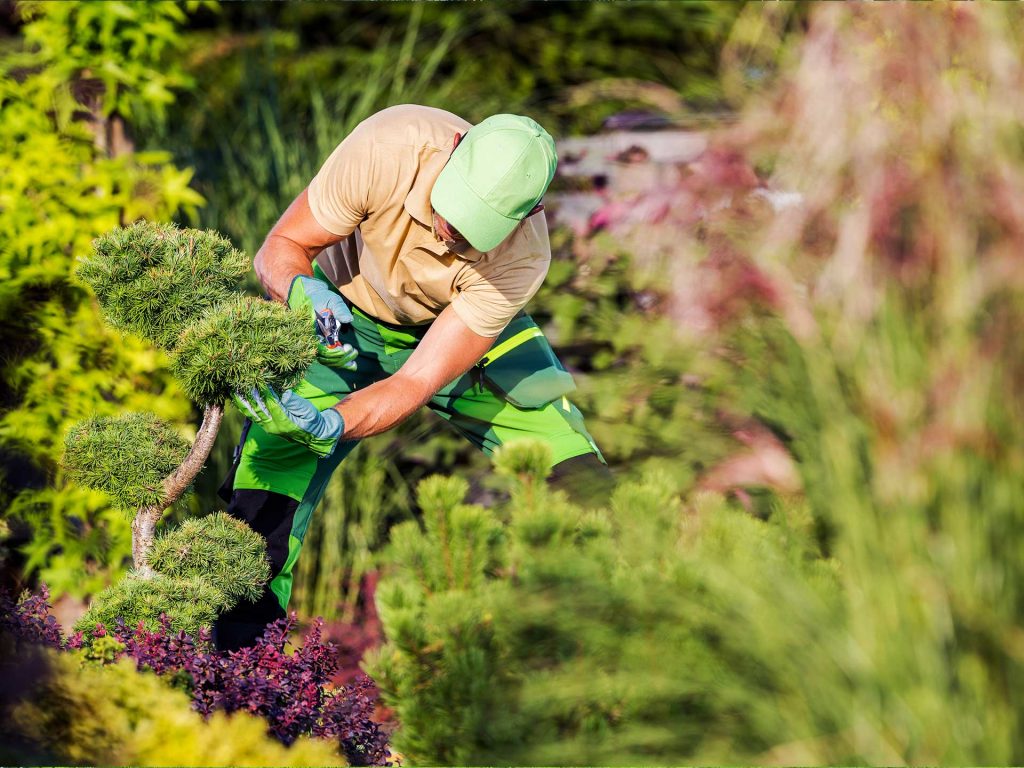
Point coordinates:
[(180, 479), (175, 484)]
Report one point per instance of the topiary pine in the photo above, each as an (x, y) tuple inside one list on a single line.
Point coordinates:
[(243, 343), (154, 280), (218, 548), (177, 288), (191, 603), (127, 457)]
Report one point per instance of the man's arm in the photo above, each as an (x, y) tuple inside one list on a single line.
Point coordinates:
[(447, 351), (290, 248)]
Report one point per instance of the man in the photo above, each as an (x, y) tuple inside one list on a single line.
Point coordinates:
[(428, 238)]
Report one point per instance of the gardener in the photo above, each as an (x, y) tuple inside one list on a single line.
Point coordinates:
[(428, 238)]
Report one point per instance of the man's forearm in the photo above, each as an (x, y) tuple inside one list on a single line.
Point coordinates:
[(381, 406), (277, 263)]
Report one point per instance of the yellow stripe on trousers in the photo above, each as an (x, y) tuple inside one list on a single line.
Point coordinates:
[(509, 344)]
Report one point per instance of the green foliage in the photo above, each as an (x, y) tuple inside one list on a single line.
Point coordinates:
[(650, 398), (242, 343), (202, 567), (84, 714), (131, 49), (62, 184), (218, 548), (458, 546), (647, 631), (890, 364), (78, 538), (155, 280), (127, 457), (191, 602)]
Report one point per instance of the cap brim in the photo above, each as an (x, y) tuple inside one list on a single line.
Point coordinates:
[(459, 205)]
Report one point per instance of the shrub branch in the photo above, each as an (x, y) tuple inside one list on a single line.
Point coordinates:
[(175, 484)]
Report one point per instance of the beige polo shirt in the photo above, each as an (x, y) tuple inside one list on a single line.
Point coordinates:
[(374, 191)]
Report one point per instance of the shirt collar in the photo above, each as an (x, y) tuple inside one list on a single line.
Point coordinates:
[(417, 202)]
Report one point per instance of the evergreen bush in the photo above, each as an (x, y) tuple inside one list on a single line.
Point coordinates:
[(177, 287), (244, 343), (192, 603), (197, 570), (650, 631), (218, 548), (127, 457), (155, 280)]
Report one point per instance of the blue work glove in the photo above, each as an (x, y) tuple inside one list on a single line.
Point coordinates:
[(294, 418), (329, 314)]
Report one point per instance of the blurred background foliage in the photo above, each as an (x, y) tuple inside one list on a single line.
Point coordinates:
[(800, 352)]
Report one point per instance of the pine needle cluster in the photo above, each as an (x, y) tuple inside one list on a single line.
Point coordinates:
[(155, 279), (127, 457), (190, 603), (646, 631), (202, 568), (244, 343), (218, 548)]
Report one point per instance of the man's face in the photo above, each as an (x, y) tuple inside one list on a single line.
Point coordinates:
[(451, 236)]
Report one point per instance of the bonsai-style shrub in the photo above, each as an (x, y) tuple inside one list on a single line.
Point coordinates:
[(127, 457), (177, 288), (197, 571)]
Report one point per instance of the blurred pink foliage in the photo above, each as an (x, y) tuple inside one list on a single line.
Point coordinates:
[(884, 160)]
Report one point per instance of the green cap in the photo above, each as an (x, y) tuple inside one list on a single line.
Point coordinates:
[(496, 175)]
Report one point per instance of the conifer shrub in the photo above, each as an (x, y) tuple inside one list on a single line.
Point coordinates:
[(178, 288), (155, 279), (245, 343), (192, 603), (200, 569), (218, 548), (654, 630), (127, 457)]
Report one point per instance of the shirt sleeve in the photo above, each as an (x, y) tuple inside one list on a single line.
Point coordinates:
[(497, 287), (339, 193)]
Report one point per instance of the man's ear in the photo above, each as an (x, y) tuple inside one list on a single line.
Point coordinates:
[(458, 138)]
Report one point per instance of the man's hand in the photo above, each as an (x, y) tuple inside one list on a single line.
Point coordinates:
[(329, 314), (294, 418)]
